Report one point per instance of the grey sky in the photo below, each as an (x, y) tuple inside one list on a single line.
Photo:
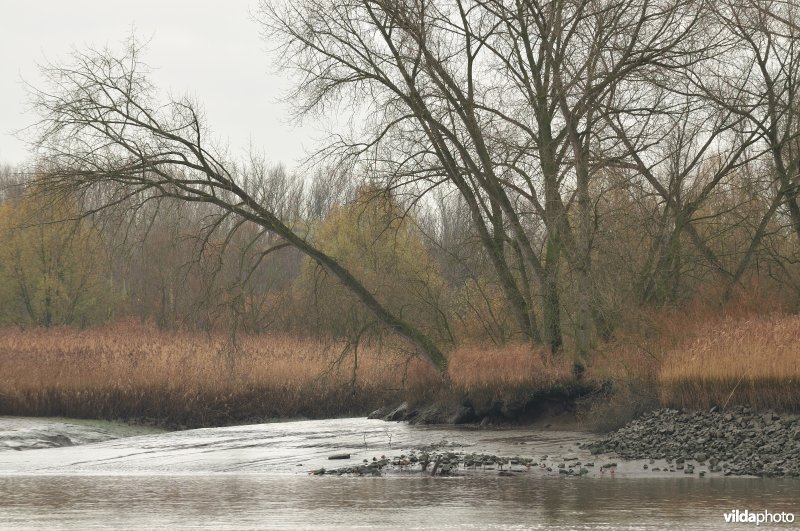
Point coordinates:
[(211, 50)]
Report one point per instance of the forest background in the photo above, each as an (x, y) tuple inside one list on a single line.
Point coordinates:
[(531, 197)]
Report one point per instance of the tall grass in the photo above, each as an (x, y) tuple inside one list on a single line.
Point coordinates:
[(131, 370), (753, 361), (506, 372), (699, 355), (134, 371)]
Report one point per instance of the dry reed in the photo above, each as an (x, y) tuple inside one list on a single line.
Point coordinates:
[(134, 371), (503, 369), (752, 361)]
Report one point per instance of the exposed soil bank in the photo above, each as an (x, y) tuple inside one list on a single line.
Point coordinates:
[(737, 441), (555, 404)]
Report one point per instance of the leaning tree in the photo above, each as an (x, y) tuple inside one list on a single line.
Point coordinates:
[(105, 134)]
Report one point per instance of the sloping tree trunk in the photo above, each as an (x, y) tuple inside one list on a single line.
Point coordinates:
[(101, 128)]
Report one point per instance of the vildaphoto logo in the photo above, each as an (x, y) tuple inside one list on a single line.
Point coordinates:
[(761, 517)]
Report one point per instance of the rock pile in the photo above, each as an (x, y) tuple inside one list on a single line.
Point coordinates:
[(737, 441), (444, 464)]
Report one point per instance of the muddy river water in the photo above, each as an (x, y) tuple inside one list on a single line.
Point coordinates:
[(257, 476)]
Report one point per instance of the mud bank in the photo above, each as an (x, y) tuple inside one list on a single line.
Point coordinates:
[(738, 441), (26, 433), (559, 405)]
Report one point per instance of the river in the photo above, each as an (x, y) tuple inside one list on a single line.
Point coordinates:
[(257, 476)]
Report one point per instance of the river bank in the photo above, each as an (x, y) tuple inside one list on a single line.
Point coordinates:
[(736, 441), (340, 447), (561, 403), (179, 379), (25, 433), (268, 476)]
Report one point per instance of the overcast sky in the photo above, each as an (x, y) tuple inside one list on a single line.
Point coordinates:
[(209, 49)]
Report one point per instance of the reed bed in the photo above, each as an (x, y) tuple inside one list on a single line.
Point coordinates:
[(752, 361), (506, 370), (135, 371)]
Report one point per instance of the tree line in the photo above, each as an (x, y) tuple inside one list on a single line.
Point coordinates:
[(516, 170)]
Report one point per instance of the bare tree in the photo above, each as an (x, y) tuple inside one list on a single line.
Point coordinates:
[(103, 128), (756, 79), (558, 127), (504, 101)]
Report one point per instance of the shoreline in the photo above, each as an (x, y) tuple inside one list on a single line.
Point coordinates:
[(735, 441), (738, 441), (524, 409)]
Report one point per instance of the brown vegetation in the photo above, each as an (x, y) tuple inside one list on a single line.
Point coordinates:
[(754, 361), (625, 203), (507, 371), (134, 371), (702, 355)]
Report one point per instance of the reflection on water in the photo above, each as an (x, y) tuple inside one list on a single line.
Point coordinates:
[(259, 501), (257, 477)]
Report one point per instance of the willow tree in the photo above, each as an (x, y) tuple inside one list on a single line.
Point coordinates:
[(105, 133), (376, 239), (760, 85), (506, 102), (52, 266)]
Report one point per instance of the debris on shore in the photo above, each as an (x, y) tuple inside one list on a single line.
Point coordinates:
[(736, 441)]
